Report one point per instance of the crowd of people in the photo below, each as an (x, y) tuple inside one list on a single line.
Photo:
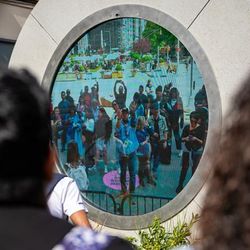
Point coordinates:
[(134, 135)]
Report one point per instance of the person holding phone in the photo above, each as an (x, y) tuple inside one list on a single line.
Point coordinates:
[(193, 139)]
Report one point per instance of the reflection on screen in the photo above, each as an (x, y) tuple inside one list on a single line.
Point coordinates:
[(130, 116)]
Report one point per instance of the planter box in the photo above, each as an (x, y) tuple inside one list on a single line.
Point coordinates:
[(120, 74), (114, 74), (107, 76)]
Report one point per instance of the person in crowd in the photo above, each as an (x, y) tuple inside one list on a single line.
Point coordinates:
[(121, 95), (88, 131), (158, 94), (77, 71), (150, 90), (85, 97), (158, 99), (75, 168), (166, 90), (116, 115), (154, 66), (95, 109), (149, 108), (63, 105), (193, 140), (175, 116), (135, 107), (160, 131), (80, 105), (22, 196), (56, 124), (100, 123), (200, 99), (69, 98), (142, 98), (203, 120), (201, 106), (73, 125), (64, 110), (143, 133), (111, 148), (95, 92), (126, 133)]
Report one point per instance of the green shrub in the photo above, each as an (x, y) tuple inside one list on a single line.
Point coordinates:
[(81, 68), (135, 55), (156, 236), (118, 67), (146, 58), (162, 60)]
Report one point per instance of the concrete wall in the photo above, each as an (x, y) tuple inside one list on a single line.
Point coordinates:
[(221, 27), (12, 19)]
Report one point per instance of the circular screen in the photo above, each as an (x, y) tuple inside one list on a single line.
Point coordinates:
[(130, 116)]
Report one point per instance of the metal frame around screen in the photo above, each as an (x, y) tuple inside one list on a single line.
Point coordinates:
[(200, 176)]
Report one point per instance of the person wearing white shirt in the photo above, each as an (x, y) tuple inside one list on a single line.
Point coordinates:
[(65, 201)]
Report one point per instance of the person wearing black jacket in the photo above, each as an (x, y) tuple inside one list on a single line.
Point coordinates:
[(192, 137)]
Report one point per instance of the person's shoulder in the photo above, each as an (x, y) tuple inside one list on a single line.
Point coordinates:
[(84, 238), (64, 183)]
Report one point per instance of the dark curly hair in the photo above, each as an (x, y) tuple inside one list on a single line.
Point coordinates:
[(24, 138), (225, 220)]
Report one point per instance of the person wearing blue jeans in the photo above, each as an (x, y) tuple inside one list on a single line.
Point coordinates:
[(158, 123), (125, 129)]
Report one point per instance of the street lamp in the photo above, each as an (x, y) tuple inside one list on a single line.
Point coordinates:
[(178, 49), (102, 40), (108, 31)]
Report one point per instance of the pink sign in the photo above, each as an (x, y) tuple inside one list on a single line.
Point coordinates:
[(112, 180)]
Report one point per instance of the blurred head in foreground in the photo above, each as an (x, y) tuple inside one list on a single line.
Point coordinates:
[(24, 139), (225, 221)]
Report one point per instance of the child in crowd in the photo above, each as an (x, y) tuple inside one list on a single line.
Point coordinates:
[(75, 168), (143, 132), (110, 147)]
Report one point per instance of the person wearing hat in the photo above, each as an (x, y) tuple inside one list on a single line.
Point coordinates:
[(158, 123), (126, 132)]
